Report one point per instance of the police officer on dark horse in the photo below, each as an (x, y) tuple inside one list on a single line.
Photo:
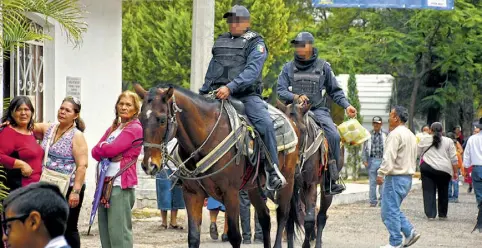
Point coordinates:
[(235, 71), (305, 79)]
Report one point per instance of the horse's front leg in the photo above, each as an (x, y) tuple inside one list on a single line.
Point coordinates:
[(310, 202), (325, 203), (231, 201), (194, 205)]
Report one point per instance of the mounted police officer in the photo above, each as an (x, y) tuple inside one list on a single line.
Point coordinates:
[(307, 78), (236, 70)]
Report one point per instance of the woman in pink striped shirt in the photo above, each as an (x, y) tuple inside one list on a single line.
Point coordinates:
[(115, 226)]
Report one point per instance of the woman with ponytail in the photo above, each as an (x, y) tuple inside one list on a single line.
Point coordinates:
[(439, 166), (115, 216), (67, 154)]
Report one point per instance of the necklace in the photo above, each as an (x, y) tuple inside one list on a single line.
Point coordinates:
[(56, 131)]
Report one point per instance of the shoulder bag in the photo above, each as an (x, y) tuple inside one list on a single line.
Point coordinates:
[(50, 176)]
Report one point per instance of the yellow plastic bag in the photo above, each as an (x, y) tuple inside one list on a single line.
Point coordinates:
[(353, 133)]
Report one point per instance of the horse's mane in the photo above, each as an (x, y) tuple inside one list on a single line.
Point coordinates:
[(188, 93)]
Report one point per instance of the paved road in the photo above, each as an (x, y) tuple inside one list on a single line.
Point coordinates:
[(349, 226)]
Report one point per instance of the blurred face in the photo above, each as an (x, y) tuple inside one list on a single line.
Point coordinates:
[(426, 129), (66, 113), (18, 229), (393, 120), (126, 108), (476, 130), (377, 126), (303, 49), (457, 131), (238, 25), (22, 115)]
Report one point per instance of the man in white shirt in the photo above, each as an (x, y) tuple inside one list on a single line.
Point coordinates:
[(473, 157), (35, 217), (398, 166)]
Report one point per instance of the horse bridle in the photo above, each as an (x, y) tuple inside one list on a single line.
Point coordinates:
[(172, 125)]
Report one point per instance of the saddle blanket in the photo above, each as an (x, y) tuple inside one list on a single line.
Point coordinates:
[(286, 138)]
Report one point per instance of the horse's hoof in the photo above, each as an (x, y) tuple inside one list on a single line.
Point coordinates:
[(213, 231)]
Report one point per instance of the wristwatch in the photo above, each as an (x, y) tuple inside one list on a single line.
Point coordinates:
[(76, 191)]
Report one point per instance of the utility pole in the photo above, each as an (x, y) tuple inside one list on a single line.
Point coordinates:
[(202, 41)]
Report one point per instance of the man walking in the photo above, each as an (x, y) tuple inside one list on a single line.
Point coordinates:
[(398, 166), (473, 157), (372, 158)]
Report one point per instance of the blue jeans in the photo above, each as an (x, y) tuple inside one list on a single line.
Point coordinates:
[(453, 189), (477, 184), (373, 166), (395, 189)]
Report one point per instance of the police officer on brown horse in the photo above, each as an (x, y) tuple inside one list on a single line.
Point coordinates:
[(236, 70), (305, 79)]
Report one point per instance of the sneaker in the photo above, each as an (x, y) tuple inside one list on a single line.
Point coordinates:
[(372, 205), (412, 238), (469, 190), (391, 246), (442, 217)]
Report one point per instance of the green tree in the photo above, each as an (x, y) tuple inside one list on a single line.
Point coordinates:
[(157, 42), (354, 157)]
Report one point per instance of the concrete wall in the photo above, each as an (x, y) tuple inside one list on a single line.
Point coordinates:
[(374, 92), (98, 62)]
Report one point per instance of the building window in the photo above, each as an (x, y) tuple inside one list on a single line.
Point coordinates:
[(27, 76)]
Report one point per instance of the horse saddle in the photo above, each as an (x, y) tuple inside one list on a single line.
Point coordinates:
[(286, 138)]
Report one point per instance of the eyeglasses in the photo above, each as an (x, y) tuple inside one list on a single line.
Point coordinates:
[(73, 98), (6, 227)]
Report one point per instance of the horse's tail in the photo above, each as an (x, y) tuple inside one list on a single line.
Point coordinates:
[(296, 213)]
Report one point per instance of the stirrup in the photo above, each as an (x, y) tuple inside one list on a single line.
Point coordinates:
[(340, 182), (280, 176)]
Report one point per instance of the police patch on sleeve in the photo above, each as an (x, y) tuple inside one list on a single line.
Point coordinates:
[(260, 48)]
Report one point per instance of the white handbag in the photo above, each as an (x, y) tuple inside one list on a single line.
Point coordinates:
[(50, 176)]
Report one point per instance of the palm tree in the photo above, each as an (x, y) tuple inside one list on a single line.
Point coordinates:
[(16, 28)]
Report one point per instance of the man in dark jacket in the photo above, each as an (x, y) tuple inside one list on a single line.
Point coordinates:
[(306, 79), (236, 70)]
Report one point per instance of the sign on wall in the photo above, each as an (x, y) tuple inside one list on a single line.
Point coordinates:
[(73, 87), (397, 4)]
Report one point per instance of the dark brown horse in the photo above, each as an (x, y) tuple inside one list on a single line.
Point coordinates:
[(199, 124), (311, 175)]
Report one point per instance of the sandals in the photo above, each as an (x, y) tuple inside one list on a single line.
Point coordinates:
[(163, 226), (177, 227)]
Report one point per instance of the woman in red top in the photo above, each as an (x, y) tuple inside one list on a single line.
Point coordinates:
[(20, 153)]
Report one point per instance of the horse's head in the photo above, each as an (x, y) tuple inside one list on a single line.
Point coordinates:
[(295, 112), (159, 125)]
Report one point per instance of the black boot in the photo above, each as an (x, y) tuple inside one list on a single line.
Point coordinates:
[(331, 187), (273, 180)]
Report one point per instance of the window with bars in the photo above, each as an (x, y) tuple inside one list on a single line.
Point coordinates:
[(24, 75)]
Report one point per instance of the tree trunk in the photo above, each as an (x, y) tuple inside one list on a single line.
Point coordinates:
[(413, 101)]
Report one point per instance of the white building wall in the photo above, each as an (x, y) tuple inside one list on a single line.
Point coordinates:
[(98, 62), (374, 92)]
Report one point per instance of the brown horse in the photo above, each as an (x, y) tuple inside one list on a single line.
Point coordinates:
[(311, 175), (200, 124)]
